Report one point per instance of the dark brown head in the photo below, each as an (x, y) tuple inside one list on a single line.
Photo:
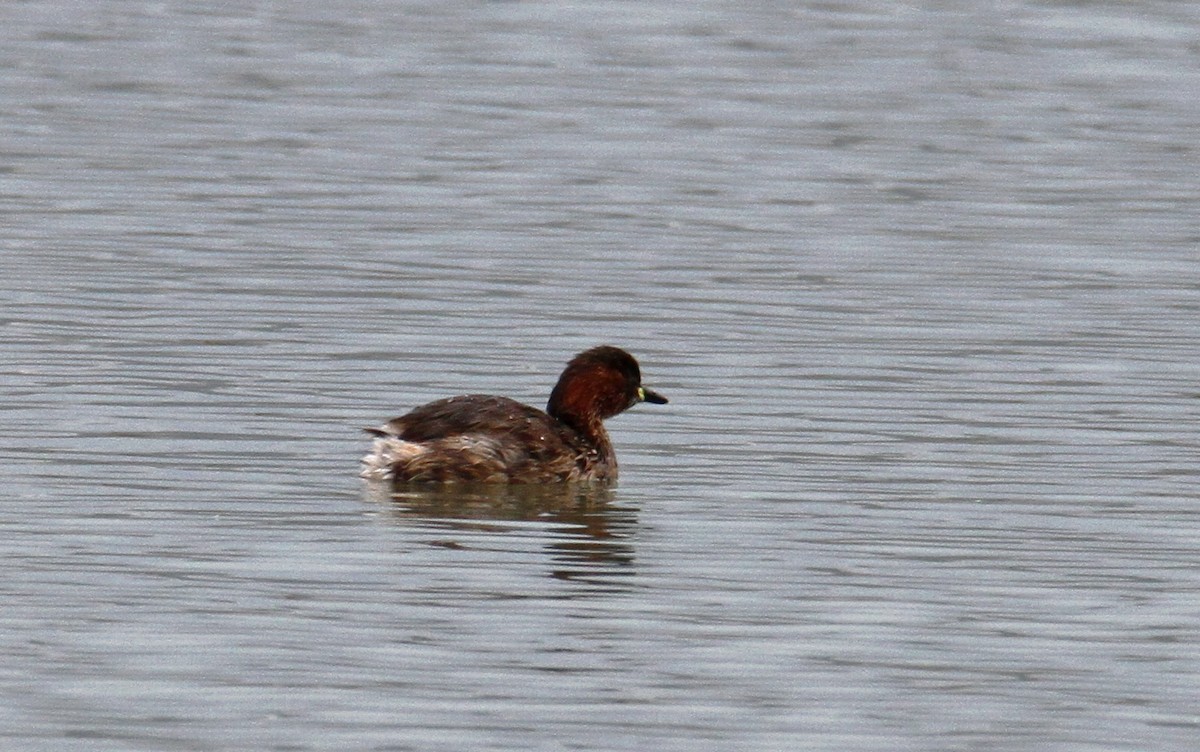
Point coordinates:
[(598, 384)]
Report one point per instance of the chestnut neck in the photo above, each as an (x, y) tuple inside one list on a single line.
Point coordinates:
[(584, 397)]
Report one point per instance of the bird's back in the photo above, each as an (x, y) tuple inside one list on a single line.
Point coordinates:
[(478, 438)]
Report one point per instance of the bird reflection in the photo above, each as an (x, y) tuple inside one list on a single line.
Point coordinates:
[(588, 537)]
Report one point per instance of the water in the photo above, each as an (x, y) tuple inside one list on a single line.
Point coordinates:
[(921, 281)]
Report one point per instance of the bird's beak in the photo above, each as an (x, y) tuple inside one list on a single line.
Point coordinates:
[(651, 396)]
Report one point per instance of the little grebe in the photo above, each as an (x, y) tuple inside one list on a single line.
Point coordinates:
[(497, 440)]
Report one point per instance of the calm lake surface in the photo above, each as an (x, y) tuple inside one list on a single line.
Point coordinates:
[(922, 281)]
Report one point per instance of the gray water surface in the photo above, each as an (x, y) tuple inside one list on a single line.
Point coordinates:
[(922, 281)]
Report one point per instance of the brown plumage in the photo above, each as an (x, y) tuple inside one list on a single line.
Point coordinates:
[(490, 439)]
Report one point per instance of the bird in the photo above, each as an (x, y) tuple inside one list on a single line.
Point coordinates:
[(488, 439)]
